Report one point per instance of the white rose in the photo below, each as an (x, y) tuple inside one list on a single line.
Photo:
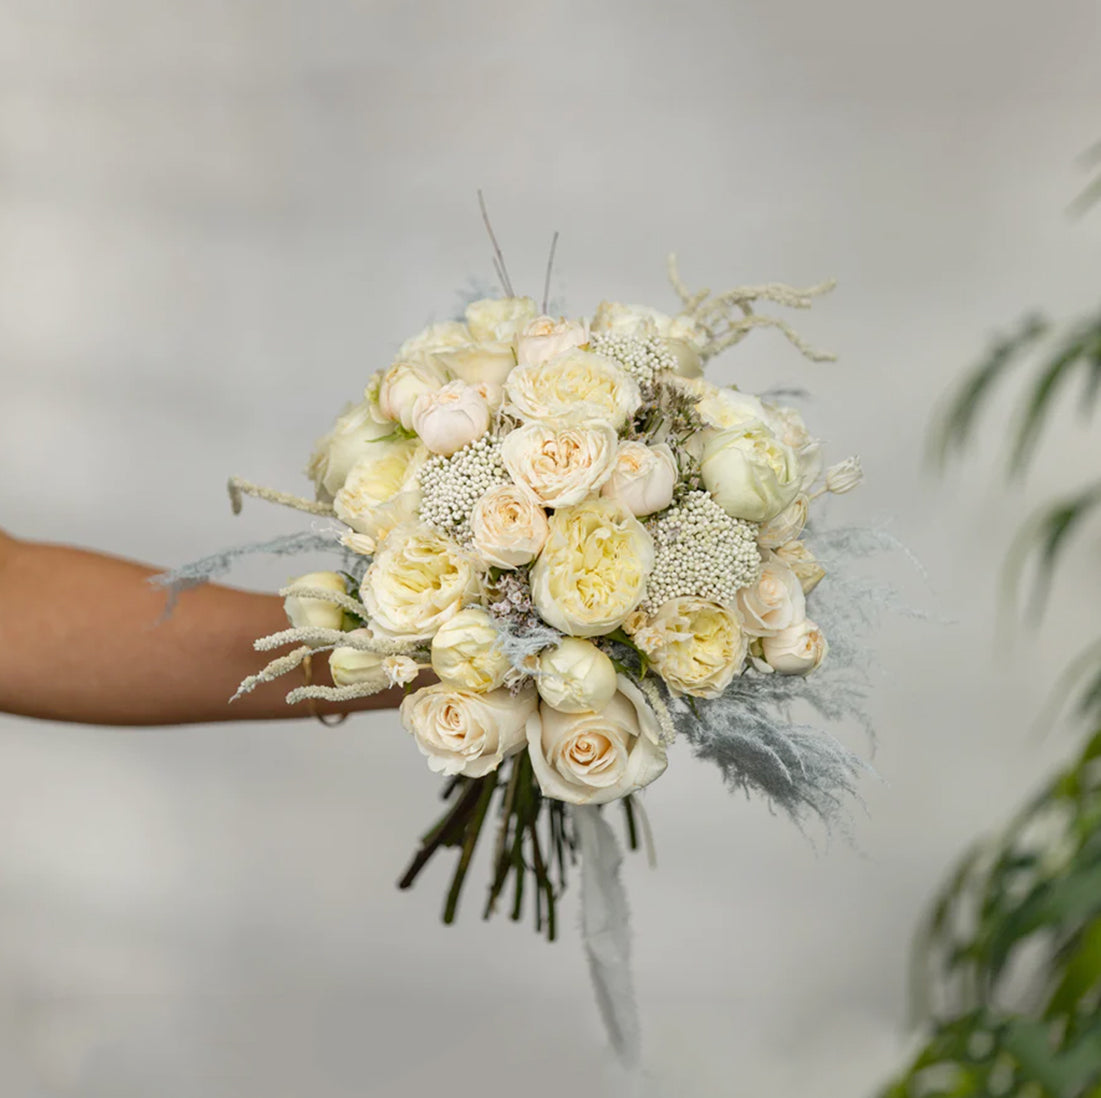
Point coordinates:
[(508, 527), (417, 581), (559, 466), (775, 602), (750, 473), (436, 337), (695, 645), (803, 563), (786, 526), (643, 322), (575, 677), (576, 389), (730, 409), (307, 613), (546, 338), (352, 666), (478, 363), (403, 382), (643, 477), (450, 417), (350, 438), (592, 571), (499, 317), (461, 732), (382, 490), (797, 650), (593, 758), (466, 652)]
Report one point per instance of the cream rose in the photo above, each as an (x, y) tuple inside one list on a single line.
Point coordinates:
[(479, 363), (775, 602), (787, 425), (787, 525), (466, 652), (576, 389), (592, 571), (509, 528), (308, 613), (436, 337), (731, 410), (803, 563), (643, 477), (546, 338), (575, 677), (447, 418), (593, 758), (352, 666), (351, 437), (559, 466), (461, 732), (797, 650), (382, 490), (403, 382), (750, 473), (695, 645), (417, 581), (499, 317)]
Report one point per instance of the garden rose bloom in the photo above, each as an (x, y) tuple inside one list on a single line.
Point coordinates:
[(450, 417), (775, 602), (478, 363), (643, 477), (508, 526), (803, 563), (751, 474), (305, 613), (418, 580), (461, 732), (382, 490), (797, 650), (575, 677), (787, 525), (593, 758), (545, 338), (695, 645), (436, 337), (592, 571), (499, 317), (351, 437), (466, 652), (576, 389), (559, 465), (403, 382)]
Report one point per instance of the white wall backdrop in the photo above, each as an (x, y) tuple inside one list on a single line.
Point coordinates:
[(217, 217)]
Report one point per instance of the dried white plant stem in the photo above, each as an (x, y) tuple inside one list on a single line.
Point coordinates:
[(278, 667), (322, 594), (336, 693), (315, 636), (729, 317), (239, 487)]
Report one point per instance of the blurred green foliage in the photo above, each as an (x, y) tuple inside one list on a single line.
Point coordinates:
[(1007, 973)]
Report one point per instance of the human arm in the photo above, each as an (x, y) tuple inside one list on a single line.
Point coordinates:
[(83, 638)]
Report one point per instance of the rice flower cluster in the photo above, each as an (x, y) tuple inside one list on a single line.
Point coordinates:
[(568, 525)]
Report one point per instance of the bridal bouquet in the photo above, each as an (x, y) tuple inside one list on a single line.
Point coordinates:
[(571, 550)]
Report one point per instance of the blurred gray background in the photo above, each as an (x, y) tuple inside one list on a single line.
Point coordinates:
[(217, 218)]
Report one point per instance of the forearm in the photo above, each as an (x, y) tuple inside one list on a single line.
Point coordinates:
[(83, 638)]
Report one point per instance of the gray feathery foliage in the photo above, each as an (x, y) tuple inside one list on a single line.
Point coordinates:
[(219, 564), (518, 643), (750, 732)]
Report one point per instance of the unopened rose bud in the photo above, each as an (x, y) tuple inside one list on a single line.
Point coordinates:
[(844, 476), (305, 613)]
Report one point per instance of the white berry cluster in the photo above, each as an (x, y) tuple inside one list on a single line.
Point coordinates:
[(700, 550), (450, 486), (643, 359)]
